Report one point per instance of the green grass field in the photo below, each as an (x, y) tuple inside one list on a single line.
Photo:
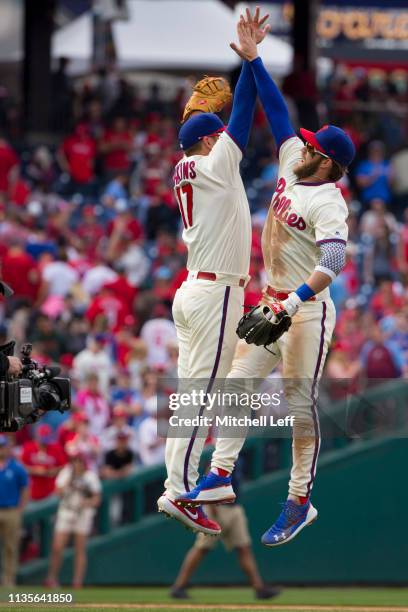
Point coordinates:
[(151, 599)]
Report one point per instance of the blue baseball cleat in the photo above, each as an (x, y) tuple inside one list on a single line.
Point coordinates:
[(290, 522), (211, 489)]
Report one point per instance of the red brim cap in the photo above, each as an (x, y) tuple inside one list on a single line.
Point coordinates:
[(310, 137)]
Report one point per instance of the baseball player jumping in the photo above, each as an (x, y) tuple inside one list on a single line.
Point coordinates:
[(217, 231), (304, 242)]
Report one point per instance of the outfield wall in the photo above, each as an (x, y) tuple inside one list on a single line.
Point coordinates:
[(361, 535)]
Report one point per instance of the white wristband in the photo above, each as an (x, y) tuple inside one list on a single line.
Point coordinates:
[(292, 303)]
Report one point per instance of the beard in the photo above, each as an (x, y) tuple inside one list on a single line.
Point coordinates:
[(307, 169)]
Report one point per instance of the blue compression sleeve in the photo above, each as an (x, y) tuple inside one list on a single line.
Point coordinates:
[(243, 107), (273, 103)]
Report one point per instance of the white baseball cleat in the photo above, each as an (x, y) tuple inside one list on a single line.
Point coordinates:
[(194, 519)]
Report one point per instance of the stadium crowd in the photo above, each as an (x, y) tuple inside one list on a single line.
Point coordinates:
[(90, 240)]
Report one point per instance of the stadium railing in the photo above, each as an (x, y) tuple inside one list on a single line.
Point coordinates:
[(378, 411)]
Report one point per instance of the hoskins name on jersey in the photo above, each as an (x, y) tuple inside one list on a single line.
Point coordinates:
[(184, 171)]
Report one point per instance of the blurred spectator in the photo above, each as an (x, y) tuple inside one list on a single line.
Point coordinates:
[(151, 446), (381, 358), (13, 498), (40, 169), (43, 459), (135, 263), (380, 254), (119, 461), (157, 333), (149, 391), (373, 174), (137, 362), (109, 307), (58, 277), (387, 299), (376, 217), (47, 338), (399, 180), (115, 146), (171, 367), (80, 491), (77, 158), (79, 438), (119, 425), (91, 359), (402, 250), (116, 189), (8, 164), (93, 403), (342, 372), (96, 277), (123, 391), (20, 270)]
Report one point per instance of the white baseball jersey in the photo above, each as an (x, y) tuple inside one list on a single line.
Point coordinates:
[(301, 217), (214, 210)]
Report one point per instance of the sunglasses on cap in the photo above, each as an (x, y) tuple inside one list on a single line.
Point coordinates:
[(313, 151)]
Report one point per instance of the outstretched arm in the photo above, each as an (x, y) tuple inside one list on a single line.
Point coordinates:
[(243, 106), (245, 92), (271, 98), (273, 103)]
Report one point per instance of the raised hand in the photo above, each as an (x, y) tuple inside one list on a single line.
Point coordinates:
[(256, 24), (247, 42), (251, 32)]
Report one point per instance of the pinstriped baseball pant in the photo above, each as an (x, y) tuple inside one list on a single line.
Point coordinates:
[(303, 351), (206, 314)]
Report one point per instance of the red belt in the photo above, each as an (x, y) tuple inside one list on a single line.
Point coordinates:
[(211, 276), (282, 295)]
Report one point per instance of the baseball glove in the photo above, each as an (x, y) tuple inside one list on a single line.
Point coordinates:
[(210, 95), (263, 324)]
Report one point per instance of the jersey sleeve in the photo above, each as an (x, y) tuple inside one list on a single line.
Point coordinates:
[(329, 220), (224, 159), (290, 154)]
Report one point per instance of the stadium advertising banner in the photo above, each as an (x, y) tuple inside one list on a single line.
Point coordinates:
[(352, 31)]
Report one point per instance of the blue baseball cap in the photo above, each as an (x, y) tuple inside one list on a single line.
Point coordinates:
[(333, 142), (198, 126)]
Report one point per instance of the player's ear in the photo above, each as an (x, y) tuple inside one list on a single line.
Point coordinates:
[(207, 142)]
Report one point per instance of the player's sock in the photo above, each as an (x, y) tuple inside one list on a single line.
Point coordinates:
[(298, 499), (220, 472)]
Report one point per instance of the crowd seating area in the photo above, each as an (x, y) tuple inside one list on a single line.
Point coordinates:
[(90, 240)]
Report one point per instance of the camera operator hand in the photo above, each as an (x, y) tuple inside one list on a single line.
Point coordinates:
[(15, 366)]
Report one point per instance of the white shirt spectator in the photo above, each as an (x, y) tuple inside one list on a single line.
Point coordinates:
[(60, 277), (77, 488), (157, 334), (97, 277), (87, 362), (136, 265), (151, 447)]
